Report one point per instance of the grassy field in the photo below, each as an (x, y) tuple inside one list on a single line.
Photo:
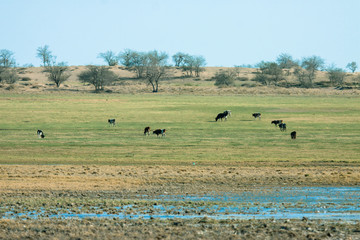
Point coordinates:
[(77, 132)]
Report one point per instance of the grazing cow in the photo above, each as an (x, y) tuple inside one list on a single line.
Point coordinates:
[(227, 113), (40, 134), (282, 126), (221, 116), (276, 122), (111, 121), (293, 135), (147, 131), (159, 131), (257, 115)]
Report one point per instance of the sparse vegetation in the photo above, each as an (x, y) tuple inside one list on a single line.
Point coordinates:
[(352, 66), (98, 76), (336, 75), (225, 78), (8, 75), (133, 61), (45, 55), (179, 58), (57, 73), (307, 73), (269, 73), (192, 64), (155, 68), (7, 58), (109, 57)]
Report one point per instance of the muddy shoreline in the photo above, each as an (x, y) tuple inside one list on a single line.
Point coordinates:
[(83, 188), (177, 229)]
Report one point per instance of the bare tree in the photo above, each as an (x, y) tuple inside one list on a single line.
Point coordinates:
[(199, 63), (155, 68), (134, 61), (45, 55), (99, 76), (57, 73), (7, 61), (286, 62), (269, 72), (126, 57), (192, 64), (336, 75), (187, 65), (7, 58), (352, 66), (110, 58), (307, 73), (178, 58)]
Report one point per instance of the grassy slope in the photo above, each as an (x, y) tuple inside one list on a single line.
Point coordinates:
[(76, 129)]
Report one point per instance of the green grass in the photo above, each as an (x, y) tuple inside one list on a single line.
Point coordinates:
[(77, 132)]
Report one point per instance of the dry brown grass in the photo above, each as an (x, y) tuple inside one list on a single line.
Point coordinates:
[(195, 179), (176, 83)]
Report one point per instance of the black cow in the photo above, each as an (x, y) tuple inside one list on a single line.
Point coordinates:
[(293, 135), (111, 121), (159, 131), (282, 126), (227, 113), (40, 134), (221, 116), (276, 122), (147, 131), (256, 115)]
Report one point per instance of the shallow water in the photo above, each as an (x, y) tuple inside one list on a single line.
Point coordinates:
[(262, 203)]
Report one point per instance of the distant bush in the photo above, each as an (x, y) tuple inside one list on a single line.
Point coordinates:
[(99, 76), (224, 78), (8, 75)]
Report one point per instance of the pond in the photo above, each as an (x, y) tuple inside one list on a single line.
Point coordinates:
[(261, 203)]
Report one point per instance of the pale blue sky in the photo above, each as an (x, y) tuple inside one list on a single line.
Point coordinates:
[(225, 32)]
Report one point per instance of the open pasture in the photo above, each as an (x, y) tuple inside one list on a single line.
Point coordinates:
[(77, 131), (85, 167)]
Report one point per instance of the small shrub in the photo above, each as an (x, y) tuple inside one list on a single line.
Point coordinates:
[(224, 78), (242, 79), (25, 79), (249, 85), (9, 76), (10, 87)]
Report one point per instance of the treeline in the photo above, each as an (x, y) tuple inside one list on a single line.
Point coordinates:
[(153, 66), (150, 66), (278, 72)]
